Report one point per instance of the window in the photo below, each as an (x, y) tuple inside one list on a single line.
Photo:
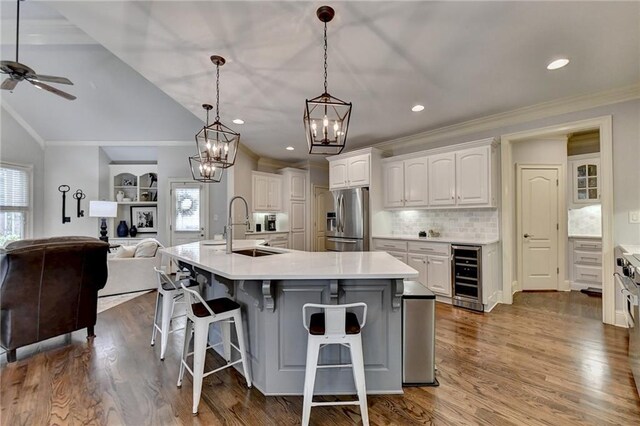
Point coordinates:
[(15, 202)]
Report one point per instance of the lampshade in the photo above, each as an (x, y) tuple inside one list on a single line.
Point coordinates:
[(103, 209)]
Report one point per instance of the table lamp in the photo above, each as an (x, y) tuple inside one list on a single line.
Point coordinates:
[(103, 210)]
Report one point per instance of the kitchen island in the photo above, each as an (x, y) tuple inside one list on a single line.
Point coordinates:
[(273, 287)]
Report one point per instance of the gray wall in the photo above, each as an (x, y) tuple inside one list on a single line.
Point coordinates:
[(17, 146), (626, 157)]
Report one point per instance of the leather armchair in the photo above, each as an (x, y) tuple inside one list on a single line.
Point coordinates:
[(49, 287)]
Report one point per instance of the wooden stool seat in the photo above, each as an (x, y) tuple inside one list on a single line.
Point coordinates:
[(317, 328)]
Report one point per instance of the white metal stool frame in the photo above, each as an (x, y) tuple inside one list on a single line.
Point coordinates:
[(334, 334), (170, 297), (200, 328)]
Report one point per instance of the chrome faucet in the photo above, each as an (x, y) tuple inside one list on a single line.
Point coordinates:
[(230, 223)]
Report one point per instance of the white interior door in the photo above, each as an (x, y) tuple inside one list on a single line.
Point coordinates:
[(538, 228), (188, 221), (321, 201)]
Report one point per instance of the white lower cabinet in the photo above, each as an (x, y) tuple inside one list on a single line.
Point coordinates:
[(431, 260), (439, 274), (586, 257), (279, 239), (297, 241)]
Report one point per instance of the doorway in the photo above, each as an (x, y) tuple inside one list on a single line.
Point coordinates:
[(321, 202), (189, 212), (538, 226), (510, 282)]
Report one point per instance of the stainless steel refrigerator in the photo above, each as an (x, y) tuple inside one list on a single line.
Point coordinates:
[(350, 229)]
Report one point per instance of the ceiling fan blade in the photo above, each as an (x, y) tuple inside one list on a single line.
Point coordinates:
[(53, 90), (49, 79), (9, 84)]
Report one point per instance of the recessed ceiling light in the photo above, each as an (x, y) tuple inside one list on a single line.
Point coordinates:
[(558, 63), (417, 108), (289, 148), (238, 121)]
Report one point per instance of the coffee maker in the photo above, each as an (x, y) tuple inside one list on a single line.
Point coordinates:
[(270, 222)]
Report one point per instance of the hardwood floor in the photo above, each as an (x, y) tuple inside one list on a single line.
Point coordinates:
[(545, 360)]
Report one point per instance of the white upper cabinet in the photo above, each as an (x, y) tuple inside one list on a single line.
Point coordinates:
[(405, 183), (393, 180), (266, 192), (358, 170), (473, 176), (297, 186), (338, 174), (416, 188), (442, 179), (439, 179), (350, 172), (585, 180)]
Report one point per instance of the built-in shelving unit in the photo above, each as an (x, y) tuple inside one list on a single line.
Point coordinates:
[(133, 185)]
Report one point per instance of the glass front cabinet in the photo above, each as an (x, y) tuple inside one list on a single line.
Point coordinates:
[(585, 178)]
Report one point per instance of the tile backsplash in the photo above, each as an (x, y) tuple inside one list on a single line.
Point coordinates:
[(586, 221), (467, 224)]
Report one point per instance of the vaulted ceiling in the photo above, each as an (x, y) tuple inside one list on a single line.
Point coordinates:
[(149, 66)]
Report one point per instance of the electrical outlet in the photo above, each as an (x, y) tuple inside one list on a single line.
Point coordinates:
[(634, 216)]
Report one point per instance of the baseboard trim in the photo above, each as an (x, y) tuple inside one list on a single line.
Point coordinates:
[(621, 319)]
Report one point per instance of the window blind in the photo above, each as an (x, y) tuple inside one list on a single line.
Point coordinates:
[(14, 187)]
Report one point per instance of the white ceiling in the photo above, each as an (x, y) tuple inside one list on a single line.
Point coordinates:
[(462, 60)]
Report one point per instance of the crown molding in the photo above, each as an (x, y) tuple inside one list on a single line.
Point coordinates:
[(22, 122), (119, 143), (272, 163), (517, 116)]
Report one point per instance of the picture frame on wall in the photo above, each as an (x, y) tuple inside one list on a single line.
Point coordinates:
[(145, 218)]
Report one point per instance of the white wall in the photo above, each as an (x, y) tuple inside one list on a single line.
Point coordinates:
[(104, 191), (17, 146), (78, 167), (626, 156)]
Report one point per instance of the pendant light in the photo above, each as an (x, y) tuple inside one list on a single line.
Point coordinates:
[(326, 118), (203, 168), (216, 144)]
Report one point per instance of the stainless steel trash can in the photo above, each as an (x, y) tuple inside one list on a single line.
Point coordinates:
[(418, 335)]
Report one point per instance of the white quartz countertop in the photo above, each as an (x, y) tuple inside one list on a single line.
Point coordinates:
[(449, 240), (290, 264)]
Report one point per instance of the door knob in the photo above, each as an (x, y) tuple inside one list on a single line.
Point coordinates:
[(527, 235)]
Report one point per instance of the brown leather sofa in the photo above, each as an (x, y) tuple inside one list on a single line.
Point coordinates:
[(49, 287)]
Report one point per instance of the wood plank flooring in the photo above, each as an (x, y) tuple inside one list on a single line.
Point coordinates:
[(545, 360)]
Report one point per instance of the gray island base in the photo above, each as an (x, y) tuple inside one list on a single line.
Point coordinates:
[(272, 312)]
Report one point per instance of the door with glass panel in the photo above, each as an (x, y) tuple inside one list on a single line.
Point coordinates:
[(188, 221)]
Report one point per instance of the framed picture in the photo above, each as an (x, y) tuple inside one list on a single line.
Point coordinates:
[(145, 218)]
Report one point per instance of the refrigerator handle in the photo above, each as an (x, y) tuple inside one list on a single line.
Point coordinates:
[(342, 213), (338, 213)]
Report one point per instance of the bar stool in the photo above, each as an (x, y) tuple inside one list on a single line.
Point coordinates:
[(200, 315), (334, 326), (172, 294)]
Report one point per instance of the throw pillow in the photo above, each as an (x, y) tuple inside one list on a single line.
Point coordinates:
[(125, 252), (146, 249)]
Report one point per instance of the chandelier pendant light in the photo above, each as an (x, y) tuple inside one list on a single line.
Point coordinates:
[(216, 144), (326, 118), (203, 168)]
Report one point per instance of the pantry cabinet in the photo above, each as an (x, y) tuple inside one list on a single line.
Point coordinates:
[(266, 192)]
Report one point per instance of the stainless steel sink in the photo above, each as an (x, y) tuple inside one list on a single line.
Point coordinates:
[(255, 252)]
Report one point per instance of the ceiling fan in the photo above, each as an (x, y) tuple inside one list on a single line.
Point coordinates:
[(18, 72)]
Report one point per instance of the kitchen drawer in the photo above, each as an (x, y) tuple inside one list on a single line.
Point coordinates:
[(279, 237), (430, 248), (389, 245), (587, 244), (590, 274), (401, 256), (587, 257)]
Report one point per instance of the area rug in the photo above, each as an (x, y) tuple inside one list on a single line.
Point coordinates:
[(109, 302)]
